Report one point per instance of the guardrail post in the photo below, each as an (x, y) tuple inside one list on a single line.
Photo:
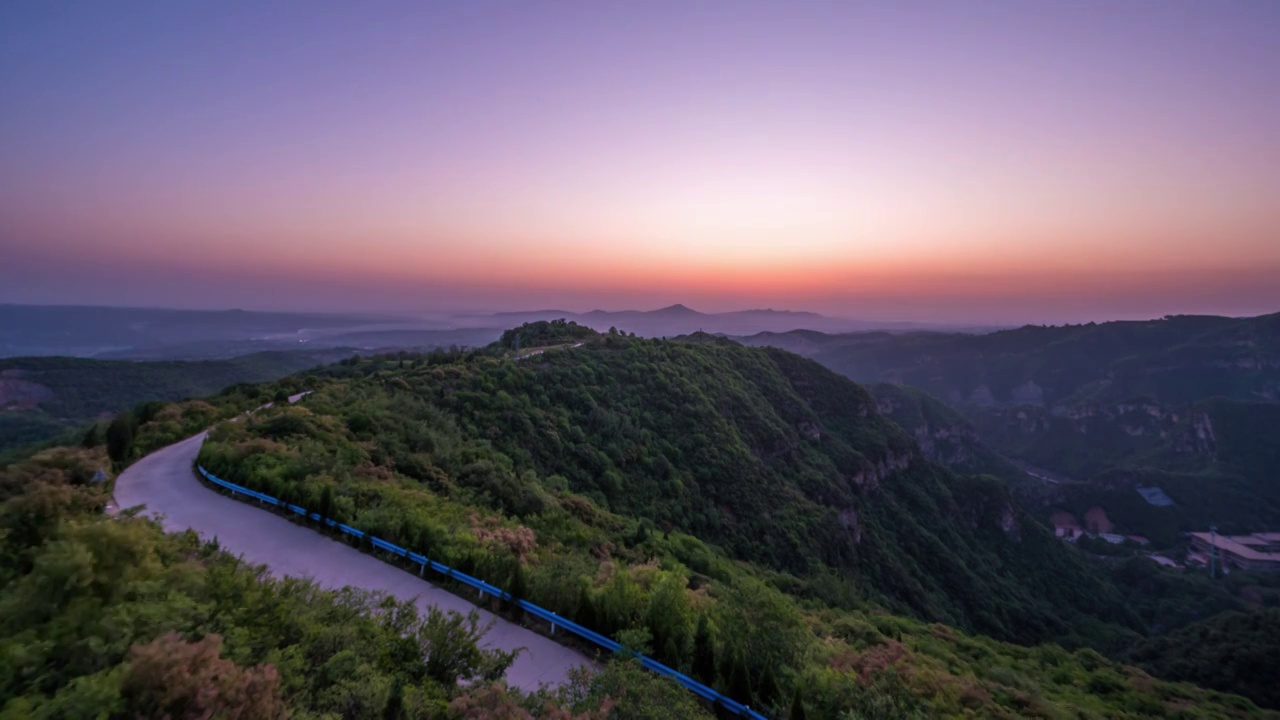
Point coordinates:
[(553, 624)]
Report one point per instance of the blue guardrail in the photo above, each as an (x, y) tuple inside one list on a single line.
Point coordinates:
[(556, 621)]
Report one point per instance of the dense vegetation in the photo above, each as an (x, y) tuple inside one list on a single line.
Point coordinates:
[(45, 398), (1217, 458), (1186, 404), (1235, 651), (1168, 600), (775, 459), (111, 618), (544, 334), (741, 514), (1177, 360)]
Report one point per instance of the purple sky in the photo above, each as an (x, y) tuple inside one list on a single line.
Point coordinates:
[(984, 161)]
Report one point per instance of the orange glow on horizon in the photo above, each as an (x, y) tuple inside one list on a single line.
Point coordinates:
[(1054, 156)]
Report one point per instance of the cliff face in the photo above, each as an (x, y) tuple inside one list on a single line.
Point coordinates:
[(1114, 431), (946, 436), (1217, 460), (1183, 403), (950, 444)]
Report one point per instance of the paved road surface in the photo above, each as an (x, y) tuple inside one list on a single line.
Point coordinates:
[(166, 484)]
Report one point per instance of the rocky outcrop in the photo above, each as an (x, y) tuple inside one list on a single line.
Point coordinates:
[(1198, 437), (982, 397), (870, 478), (1188, 432), (983, 503), (1008, 522), (849, 521), (810, 430), (949, 445), (1028, 393)]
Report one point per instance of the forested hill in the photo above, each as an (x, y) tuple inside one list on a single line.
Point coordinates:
[(43, 397), (110, 618), (778, 460), (1186, 403), (1175, 360), (743, 515)]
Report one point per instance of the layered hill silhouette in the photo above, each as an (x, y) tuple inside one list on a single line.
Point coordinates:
[(679, 319)]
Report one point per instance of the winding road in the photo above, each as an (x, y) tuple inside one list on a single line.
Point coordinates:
[(165, 483)]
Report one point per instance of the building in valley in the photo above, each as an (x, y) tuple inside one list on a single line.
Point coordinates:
[(1257, 552)]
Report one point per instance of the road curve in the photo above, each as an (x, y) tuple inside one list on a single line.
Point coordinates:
[(165, 482)]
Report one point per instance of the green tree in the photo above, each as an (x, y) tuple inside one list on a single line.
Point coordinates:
[(450, 644), (621, 603), (587, 614), (92, 437), (636, 640), (630, 693), (768, 630), (767, 691), (120, 437), (325, 508), (518, 587), (797, 706), (669, 618), (395, 704), (641, 535), (704, 652), (145, 412), (737, 680)]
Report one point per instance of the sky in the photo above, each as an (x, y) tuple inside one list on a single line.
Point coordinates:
[(981, 161)]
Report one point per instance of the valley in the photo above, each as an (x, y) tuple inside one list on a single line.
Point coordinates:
[(1182, 408)]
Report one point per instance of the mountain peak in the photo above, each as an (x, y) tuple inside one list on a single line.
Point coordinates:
[(677, 309)]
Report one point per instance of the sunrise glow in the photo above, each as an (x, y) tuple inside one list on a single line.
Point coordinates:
[(860, 159)]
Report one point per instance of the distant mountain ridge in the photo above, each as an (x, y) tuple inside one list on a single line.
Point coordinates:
[(160, 333), (679, 319), (170, 334), (1176, 359), (42, 398)]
